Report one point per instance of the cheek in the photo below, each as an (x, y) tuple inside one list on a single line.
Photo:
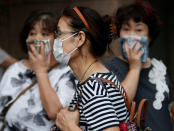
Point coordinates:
[(68, 46), (123, 33), (30, 37)]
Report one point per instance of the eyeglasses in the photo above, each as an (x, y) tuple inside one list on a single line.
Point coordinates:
[(57, 33)]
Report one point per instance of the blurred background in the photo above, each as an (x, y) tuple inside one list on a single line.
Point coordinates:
[(14, 12)]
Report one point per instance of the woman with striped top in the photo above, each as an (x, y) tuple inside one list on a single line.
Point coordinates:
[(82, 37)]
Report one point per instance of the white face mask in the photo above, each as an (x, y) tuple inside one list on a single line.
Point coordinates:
[(58, 53)]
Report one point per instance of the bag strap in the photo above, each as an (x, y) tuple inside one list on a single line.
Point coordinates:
[(132, 113), (143, 103), (26, 89), (131, 108), (23, 92), (125, 98)]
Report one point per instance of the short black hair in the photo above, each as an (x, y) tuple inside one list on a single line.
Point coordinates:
[(139, 12), (48, 19), (101, 33)]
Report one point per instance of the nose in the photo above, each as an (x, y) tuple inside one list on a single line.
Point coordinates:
[(132, 33), (39, 37)]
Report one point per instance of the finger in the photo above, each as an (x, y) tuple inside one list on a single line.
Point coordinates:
[(126, 48), (132, 46), (138, 47), (33, 50), (42, 49), (31, 56), (140, 53)]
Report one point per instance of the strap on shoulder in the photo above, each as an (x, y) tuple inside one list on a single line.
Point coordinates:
[(125, 98)]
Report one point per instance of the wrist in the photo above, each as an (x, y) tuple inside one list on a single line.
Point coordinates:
[(41, 72), (135, 69), (73, 127)]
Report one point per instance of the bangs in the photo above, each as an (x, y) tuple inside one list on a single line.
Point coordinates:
[(137, 16), (47, 25)]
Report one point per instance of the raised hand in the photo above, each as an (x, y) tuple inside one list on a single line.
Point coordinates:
[(134, 55), (39, 62)]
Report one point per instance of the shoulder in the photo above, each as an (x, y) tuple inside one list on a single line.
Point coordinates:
[(115, 60), (95, 86), (62, 73), (16, 67), (158, 68), (118, 66), (11, 72), (61, 70), (158, 64), (158, 72)]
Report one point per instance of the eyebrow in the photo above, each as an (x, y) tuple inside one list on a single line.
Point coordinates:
[(139, 24)]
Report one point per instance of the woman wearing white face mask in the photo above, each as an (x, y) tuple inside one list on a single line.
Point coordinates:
[(82, 37), (35, 104)]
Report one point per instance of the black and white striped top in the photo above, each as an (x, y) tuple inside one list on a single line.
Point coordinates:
[(100, 104)]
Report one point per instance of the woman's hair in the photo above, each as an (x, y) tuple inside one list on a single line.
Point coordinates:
[(98, 33), (46, 17), (139, 12)]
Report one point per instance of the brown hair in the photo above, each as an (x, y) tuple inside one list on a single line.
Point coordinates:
[(139, 12), (48, 19), (98, 32)]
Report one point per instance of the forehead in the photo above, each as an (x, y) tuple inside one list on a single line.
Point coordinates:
[(37, 24), (40, 25), (64, 24), (131, 22)]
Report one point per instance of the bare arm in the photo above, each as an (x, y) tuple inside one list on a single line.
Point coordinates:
[(8, 62), (5, 59), (50, 100), (130, 83), (40, 65)]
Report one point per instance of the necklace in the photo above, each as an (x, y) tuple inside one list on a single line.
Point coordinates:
[(87, 70)]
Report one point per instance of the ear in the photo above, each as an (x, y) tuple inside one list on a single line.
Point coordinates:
[(81, 38)]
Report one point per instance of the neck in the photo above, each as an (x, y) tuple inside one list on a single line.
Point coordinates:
[(80, 64), (85, 67)]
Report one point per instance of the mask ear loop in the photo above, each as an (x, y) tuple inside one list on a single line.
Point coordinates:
[(69, 36), (73, 51)]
